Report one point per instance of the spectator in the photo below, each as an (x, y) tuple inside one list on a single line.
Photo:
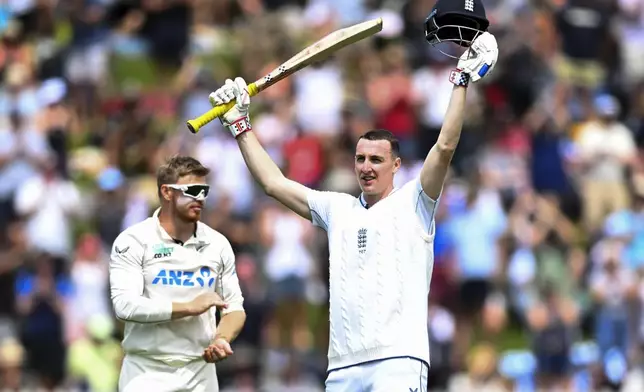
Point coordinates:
[(47, 202), (11, 260), (23, 152), (584, 29), (245, 370), (111, 205), (475, 233), (553, 321), (612, 287), (86, 65), (14, 49), (166, 28), (636, 117), (388, 94), (95, 360), (631, 35), (318, 99), (431, 103), (41, 304), (12, 356), (56, 121), (481, 372), (442, 326), (289, 267), (607, 150), (89, 279)]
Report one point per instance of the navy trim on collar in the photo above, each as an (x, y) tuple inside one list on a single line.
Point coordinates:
[(363, 201)]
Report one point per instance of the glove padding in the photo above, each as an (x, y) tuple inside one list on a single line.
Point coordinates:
[(479, 60), (236, 119)]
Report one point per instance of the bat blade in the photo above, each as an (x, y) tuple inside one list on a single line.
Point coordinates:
[(320, 50), (316, 52)]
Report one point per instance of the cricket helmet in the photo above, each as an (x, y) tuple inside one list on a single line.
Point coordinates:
[(457, 21)]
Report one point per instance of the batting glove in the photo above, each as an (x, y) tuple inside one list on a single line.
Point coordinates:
[(477, 62), (236, 119)]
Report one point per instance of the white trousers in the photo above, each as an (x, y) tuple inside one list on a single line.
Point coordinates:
[(387, 375), (144, 374)]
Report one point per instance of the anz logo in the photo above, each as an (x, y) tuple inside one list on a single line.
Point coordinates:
[(168, 277)]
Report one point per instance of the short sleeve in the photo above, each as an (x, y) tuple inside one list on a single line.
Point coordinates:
[(626, 143), (28, 195), (424, 206), (322, 204)]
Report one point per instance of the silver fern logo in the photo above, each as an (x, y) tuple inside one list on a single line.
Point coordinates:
[(362, 240)]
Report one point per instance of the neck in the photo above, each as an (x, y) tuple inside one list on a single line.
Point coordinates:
[(373, 199), (175, 227)]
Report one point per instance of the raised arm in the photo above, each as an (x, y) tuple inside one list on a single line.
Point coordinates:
[(438, 160), (267, 174), (473, 65)]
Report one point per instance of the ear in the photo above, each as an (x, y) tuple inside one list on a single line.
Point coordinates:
[(166, 193), (397, 163)]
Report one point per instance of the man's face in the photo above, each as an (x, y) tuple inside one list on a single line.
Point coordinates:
[(375, 166), (187, 208)]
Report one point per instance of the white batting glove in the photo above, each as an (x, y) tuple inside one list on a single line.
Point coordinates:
[(236, 119), (477, 62)]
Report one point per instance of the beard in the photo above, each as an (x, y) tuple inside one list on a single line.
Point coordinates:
[(184, 210)]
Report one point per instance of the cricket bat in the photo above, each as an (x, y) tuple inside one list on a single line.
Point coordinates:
[(311, 54)]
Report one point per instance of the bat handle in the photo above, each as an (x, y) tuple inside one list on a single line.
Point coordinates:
[(195, 124)]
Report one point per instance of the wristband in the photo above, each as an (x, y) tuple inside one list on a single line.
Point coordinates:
[(239, 126), (459, 78)]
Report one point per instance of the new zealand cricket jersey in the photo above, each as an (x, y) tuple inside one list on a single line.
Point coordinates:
[(149, 271)]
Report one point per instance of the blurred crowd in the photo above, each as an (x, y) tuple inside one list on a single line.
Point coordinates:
[(539, 248)]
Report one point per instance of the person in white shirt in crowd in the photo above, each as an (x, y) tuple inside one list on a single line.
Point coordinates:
[(168, 275), (48, 202), (381, 244), (631, 35), (606, 150), (23, 152), (289, 267)]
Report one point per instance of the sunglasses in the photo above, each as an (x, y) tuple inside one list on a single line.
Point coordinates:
[(196, 191)]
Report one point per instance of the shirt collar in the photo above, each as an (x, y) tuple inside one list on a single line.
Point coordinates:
[(199, 236), (363, 202)]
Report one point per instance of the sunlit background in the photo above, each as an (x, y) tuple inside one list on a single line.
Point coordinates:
[(540, 231)]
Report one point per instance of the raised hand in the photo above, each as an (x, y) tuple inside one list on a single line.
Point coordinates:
[(236, 119), (479, 60)]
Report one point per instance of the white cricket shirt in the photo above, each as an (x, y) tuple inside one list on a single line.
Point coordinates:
[(381, 261), (149, 271)]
